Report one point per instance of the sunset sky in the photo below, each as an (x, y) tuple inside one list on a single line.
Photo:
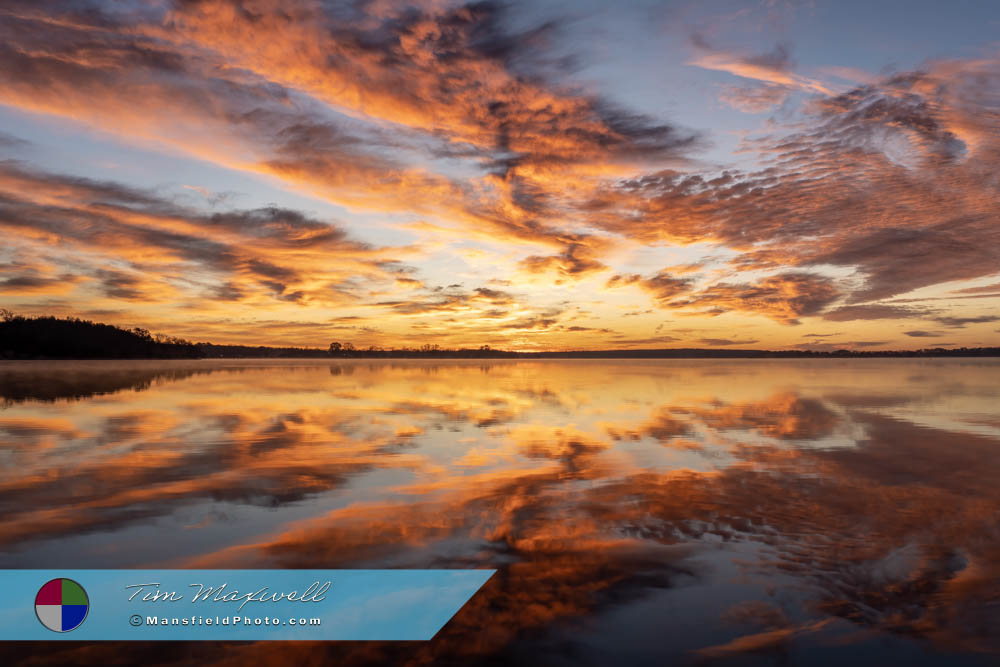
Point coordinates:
[(538, 175)]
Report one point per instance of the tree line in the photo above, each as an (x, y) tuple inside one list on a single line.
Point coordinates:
[(73, 338), (50, 337)]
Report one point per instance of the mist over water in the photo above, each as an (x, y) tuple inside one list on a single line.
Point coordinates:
[(704, 511)]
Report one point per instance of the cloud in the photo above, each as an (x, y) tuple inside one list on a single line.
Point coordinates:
[(10, 142), (620, 280), (946, 251), (719, 342), (774, 67), (863, 113), (623, 340), (577, 260), (754, 99), (890, 180), (160, 248), (663, 286), (31, 284), (783, 297), (867, 343), (450, 300), (920, 333), (419, 83), (120, 285), (989, 289), (872, 312), (961, 322)]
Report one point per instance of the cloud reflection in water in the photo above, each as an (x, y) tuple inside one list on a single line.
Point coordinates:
[(842, 495)]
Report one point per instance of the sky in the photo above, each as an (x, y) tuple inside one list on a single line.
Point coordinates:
[(533, 176)]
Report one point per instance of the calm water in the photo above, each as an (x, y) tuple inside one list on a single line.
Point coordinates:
[(640, 512)]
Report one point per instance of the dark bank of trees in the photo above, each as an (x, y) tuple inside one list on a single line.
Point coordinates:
[(485, 352), (72, 338), (211, 350), (699, 353), (348, 350)]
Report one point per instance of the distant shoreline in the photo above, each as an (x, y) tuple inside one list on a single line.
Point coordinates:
[(669, 353), (695, 353), (51, 339)]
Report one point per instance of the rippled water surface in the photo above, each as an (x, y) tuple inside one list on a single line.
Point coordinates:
[(640, 512)]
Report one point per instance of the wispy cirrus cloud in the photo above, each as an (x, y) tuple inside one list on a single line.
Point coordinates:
[(774, 67), (773, 73)]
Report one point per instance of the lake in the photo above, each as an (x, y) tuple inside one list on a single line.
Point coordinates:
[(647, 512)]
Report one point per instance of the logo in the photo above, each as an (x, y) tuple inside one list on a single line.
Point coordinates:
[(61, 605)]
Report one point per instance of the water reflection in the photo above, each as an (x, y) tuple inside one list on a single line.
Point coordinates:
[(78, 380), (690, 511)]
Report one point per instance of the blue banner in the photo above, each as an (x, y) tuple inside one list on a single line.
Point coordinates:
[(89, 605)]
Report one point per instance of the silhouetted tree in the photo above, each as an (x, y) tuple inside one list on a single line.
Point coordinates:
[(72, 338)]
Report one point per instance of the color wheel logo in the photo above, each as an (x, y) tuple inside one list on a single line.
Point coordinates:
[(61, 605)]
